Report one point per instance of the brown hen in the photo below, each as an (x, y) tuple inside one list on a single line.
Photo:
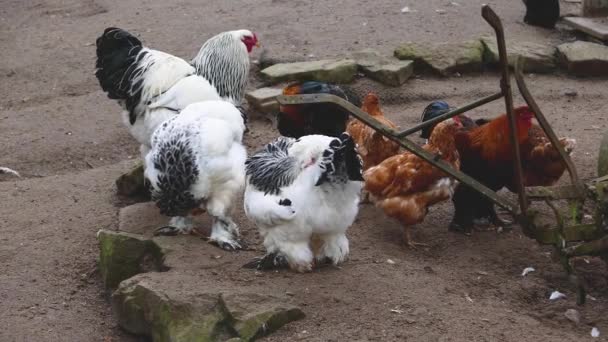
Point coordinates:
[(372, 146), (405, 185)]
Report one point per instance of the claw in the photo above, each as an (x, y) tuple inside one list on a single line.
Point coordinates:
[(230, 246), (269, 261), (460, 228), (167, 231)]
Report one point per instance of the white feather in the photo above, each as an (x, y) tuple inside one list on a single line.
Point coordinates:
[(159, 71), (186, 91)]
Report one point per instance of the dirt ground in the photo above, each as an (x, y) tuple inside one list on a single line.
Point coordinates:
[(65, 137)]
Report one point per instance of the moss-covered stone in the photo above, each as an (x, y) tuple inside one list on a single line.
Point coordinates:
[(123, 255), (444, 58), (132, 183), (144, 310), (536, 57), (584, 58), (254, 315), (162, 310), (334, 71), (602, 161)]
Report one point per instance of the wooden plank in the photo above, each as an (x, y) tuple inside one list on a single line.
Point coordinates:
[(594, 27)]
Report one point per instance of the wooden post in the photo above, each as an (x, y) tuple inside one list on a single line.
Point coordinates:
[(595, 8)]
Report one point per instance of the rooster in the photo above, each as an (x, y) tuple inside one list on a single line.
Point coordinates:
[(152, 85), (405, 185), (372, 146), (300, 192), (485, 150), (197, 159), (320, 118)]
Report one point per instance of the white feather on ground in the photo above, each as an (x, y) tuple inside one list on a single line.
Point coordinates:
[(6, 170)]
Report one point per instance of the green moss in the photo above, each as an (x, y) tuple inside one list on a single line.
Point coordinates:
[(602, 162), (335, 71), (123, 255), (446, 58)]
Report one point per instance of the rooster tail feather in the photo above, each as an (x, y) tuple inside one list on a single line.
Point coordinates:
[(118, 56)]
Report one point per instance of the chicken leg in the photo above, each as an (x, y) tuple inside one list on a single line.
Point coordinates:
[(409, 242)]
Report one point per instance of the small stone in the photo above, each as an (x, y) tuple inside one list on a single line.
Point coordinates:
[(386, 70), (571, 93), (573, 315), (595, 332), (329, 70), (264, 99), (584, 58)]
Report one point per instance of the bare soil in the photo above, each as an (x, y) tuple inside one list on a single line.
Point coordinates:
[(67, 140)]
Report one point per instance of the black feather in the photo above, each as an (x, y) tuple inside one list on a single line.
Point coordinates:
[(433, 110), (176, 164), (319, 118), (272, 168), (341, 162), (118, 54)]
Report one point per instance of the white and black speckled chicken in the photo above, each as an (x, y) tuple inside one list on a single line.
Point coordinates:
[(152, 85), (197, 159), (302, 191)]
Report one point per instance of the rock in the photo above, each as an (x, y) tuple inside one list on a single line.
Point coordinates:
[(123, 255), (590, 26), (171, 309), (537, 58), (264, 99), (584, 58), (385, 70), (132, 184), (141, 218), (142, 309), (602, 164), (334, 71), (445, 58), (573, 315), (257, 315)]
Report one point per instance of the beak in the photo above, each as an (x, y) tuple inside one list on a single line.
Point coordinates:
[(257, 44)]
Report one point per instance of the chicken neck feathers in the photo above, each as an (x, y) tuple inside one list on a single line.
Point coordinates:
[(272, 168), (224, 61)]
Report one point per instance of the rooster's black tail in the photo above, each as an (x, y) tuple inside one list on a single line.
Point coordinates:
[(118, 53)]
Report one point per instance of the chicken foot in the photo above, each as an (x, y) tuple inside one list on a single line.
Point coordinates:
[(177, 225), (270, 261), (409, 242)]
